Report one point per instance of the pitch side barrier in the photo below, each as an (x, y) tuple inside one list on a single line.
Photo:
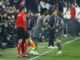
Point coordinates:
[(72, 27)]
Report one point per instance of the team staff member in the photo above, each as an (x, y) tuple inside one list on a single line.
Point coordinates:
[(59, 25), (52, 31), (22, 31)]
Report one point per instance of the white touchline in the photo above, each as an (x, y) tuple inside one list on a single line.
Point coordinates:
[(42, 46), (53, 49)]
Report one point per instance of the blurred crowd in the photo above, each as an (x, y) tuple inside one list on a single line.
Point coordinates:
[(8, 14)]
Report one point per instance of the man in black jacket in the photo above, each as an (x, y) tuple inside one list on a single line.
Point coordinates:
[(52, 31)]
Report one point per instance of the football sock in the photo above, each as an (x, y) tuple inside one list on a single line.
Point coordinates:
[(25, 48), (19, 48), (59, 46), (36, 43), (32, 44), (22, 46)]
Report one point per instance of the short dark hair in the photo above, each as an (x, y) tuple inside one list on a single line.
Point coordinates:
[(43, 11), (21, 8)]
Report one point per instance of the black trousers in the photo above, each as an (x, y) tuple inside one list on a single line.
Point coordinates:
[(51, 38)]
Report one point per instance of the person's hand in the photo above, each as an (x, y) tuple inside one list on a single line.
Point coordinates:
[(47, 17)]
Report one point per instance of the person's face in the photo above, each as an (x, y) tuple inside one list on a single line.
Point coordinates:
[(28, 15), (5, 15), (36, 15), (25, 10), (6, 25), (55, 13)]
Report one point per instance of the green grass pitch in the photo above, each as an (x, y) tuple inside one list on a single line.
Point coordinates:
[(71, 51)]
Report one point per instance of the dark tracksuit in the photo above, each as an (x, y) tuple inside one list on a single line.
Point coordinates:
[(52, 31), (36, 31), (59, 25)]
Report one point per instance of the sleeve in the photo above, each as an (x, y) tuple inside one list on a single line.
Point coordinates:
[(61, 26), (51, 21), (24, 23), (25, 28), (42, 20)]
